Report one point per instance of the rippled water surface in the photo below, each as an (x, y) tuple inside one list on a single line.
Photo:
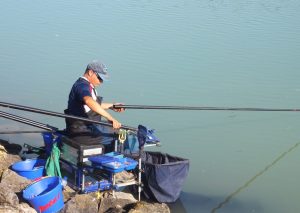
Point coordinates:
[(196, 53)]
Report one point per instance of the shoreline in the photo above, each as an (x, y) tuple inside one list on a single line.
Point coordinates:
[(12, 185)]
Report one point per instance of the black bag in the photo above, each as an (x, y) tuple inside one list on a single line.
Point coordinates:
[(163, 176)]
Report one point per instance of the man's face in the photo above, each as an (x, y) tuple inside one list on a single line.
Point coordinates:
[(95, 79)]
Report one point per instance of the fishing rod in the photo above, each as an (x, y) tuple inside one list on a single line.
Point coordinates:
[(61, 115), (203, 108), (22, 132), (27, 121)]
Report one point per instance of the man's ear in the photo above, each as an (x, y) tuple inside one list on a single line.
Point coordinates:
[(90, 72)]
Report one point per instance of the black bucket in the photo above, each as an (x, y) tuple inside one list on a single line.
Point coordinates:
[(163, 176)]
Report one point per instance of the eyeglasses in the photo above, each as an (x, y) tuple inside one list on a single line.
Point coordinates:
[(99, 78)]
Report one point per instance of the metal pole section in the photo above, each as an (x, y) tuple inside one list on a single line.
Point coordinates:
[(140, 178), (56, 114), (27, 121), (22, 132), (203, 108)]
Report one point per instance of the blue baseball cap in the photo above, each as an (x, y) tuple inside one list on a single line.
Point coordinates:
[(99, 68)]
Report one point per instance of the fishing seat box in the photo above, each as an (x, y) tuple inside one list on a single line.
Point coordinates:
[(78, 152)]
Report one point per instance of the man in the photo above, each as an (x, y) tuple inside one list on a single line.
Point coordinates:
[(84, 102)]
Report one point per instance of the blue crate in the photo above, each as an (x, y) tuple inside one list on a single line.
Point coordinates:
[(113, 162), (130, 163), (101, 159), (114, 166), (98, 185)]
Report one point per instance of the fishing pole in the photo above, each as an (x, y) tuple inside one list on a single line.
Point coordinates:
[(61, 115), (22, 132), (203, 108), (27, 121)]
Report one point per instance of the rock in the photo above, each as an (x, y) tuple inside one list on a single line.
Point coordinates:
[(11, 148), (68, 193), (117, 209), (3, 152), (8, 154), (25, 208), (3, 156), (7, 160), (109, 203), (20, 208), (15, 182), (124, 196), (8, 209), (81, 203), (7, 196), (143, 207)]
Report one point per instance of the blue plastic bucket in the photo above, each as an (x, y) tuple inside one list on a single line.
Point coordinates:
[(45, 195), (30, 168)]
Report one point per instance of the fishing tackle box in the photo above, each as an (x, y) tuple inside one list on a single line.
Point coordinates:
[(78, 153)]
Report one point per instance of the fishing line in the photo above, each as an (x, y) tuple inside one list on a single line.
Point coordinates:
[(229, 197)]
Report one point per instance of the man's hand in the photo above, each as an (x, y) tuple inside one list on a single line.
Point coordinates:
[(116, 124), (118, 109), (101, 111)]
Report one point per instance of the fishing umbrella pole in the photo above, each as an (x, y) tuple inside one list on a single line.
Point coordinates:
[(61, 115), (203, 108)]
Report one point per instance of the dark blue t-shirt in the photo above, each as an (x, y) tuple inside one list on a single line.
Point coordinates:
[(80, 89)]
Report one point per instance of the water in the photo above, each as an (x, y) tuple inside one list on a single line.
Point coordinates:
[(196, 53)]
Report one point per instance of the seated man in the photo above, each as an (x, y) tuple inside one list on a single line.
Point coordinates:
[(84, 102)]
